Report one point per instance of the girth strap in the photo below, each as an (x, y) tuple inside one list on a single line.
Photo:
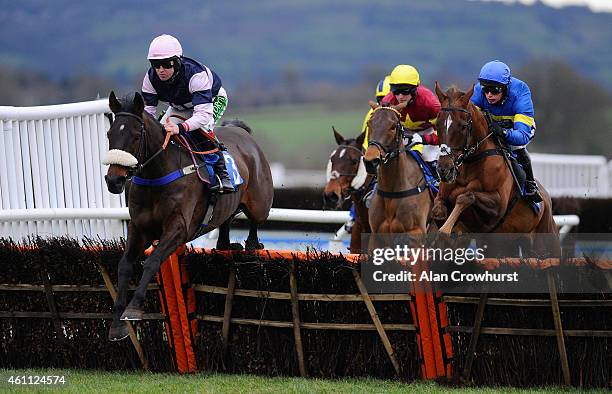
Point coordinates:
[(483, 154), (164, 180), (403, 193)]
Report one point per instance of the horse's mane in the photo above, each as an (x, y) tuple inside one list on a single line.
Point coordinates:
[(237, 123)]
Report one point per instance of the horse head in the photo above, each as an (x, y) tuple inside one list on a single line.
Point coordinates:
[(384, 135), (460, 130), (345, 171), (126, 140)]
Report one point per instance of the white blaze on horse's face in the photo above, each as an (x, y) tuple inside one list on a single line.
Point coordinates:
[(328, 171), (342, 153), (449, 122)]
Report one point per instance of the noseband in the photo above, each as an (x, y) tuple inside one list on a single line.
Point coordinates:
[(466, 151), (391, 153)]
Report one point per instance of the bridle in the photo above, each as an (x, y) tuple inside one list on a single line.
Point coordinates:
[(390, 153), (143, 150), (466, 151), (335, 175)]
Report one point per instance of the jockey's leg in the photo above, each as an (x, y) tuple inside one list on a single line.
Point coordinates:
[(219, 105), (220, 169), (531, 187)]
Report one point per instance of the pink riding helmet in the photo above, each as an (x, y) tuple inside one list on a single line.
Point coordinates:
[(164, 47)]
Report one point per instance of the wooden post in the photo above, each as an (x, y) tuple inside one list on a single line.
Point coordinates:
[(295, 312), (52, 306), (227, 312), (552, 287), (111, 289), (376, 320), (467, 370)]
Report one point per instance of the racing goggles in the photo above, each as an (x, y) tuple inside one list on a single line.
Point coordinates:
[(164, 63)]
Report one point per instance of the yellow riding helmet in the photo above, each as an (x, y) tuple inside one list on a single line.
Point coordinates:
[(382, 88), (404, 74)]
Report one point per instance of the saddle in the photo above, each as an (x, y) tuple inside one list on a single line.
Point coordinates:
[(205, 150), (430, 175)]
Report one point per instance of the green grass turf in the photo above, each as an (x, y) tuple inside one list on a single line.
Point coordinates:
[(80, 381), (301, 136)]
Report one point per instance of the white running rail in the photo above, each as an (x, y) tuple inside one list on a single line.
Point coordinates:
[(52, 182)]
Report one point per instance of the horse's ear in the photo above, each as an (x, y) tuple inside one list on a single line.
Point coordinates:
[(400, 106), (113, 103), (360, 139), (467, 96), (138, 103), (439, 93), (372, 104), (338, 136)]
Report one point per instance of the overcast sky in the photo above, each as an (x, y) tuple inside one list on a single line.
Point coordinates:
[(595, 5)]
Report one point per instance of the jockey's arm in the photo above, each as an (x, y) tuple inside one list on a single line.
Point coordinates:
[(522, 132), (200, 86), (149, 94), (364, 128), (202, 117), (523, 122)]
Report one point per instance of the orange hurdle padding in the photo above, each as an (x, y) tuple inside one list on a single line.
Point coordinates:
[(177, 311), (271, 255), (430, 318)]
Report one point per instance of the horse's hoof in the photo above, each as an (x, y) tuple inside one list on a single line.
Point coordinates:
[(235, 246), (253, 245), (132, 313), (118, 332)]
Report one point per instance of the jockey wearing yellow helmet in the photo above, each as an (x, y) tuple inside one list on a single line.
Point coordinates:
[(419, 116), (382, 88)]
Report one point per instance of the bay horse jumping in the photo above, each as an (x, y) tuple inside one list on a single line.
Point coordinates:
[(174, 212), (477, 182), (347, 179), (402, 201)]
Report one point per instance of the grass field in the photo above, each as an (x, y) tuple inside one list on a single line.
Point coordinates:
[(97, 381), (301, 136)]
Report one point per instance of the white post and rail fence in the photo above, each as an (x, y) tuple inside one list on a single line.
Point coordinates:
[(52, 179)]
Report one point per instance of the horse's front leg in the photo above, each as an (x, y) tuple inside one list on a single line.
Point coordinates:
[(134, 247), (172, 237), (486, 202), (463, 201), (439, 211)]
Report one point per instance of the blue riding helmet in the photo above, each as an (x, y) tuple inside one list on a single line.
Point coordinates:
[(495, 72)]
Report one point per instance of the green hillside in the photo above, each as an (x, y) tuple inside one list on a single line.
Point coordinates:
[(338, 41), (301, 136)]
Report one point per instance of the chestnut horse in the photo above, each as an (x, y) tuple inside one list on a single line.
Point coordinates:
[(476, 180), (347, 179), (174, 212), (402, 201)]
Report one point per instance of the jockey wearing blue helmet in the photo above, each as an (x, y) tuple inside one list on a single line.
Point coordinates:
[(508, 100)]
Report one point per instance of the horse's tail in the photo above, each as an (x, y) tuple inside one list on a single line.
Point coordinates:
[(238, 123)]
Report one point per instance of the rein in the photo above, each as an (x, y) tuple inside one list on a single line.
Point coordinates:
[(143, 145), (390, 153), (394, 153)]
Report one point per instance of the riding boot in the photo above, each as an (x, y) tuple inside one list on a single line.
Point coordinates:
[(226, 184), (531, 187)]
